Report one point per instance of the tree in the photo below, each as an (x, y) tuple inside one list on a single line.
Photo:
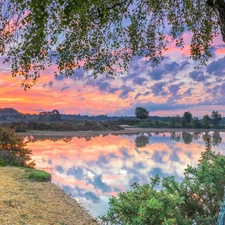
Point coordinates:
[(13, 149), (175, 121), (196, 122), (141, 113), (195, 200), (186, 119), (216, 118), (206, 121), (178, 120), (103, 35), (54, 115)]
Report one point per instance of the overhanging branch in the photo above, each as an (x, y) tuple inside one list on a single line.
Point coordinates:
[(219, 8)]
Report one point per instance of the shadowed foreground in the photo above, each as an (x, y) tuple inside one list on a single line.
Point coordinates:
[(33, 203)]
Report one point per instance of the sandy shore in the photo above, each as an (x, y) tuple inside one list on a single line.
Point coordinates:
[(37, 203), (132, 130)]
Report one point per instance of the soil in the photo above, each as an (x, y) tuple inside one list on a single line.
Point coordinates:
[(37, 203)]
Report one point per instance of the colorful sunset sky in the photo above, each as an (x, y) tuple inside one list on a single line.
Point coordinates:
[(169, 89)]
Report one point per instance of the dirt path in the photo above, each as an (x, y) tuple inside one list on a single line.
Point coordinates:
[(37, 203)]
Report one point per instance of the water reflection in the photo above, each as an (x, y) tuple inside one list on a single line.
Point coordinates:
[(141, 141), (187, 137), (92, 169)]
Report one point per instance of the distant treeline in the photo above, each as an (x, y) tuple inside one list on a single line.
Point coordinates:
[(53, 120), (63, 126), (215, 120)]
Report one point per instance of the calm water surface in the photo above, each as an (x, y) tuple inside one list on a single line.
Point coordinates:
[(91, 170)]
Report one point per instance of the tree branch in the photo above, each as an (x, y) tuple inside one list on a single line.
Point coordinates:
[(218, 7)]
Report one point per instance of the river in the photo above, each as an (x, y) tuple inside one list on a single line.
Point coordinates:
[(92, 169)]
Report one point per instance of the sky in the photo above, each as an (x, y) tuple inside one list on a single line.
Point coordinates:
[(170, 89)]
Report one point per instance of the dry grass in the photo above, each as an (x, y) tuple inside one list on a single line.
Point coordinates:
[(36, 203)]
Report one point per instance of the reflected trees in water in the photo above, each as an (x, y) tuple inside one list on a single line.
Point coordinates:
[(187, 137), (216, 138), (175, 136), (141, 141)]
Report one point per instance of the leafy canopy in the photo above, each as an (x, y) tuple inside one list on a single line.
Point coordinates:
[(102, 36), (141, 113)]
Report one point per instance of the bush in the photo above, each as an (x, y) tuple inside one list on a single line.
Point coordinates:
[(74, 126), (195, 200), (145, 123), (37, 175), (13, 150), (18, 126), (3, 162)]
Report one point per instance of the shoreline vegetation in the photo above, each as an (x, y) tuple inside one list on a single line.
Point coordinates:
[(54, 121)]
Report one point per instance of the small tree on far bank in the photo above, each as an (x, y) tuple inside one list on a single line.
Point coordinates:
[(216, 118), (206, 120), (141, 113), (186, 119)]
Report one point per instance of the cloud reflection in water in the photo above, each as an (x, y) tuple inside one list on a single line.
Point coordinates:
[(94, 170)]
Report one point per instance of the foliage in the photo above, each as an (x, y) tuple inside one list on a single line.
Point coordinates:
[(206, 120), (13, 150), (102, 35), (196, 123), (141, 113), (130, 122), (54, 115), (186, 119), (145, 123), (18, 126), (74, 126), (216, 118), (37, 175), (3, 162), (195, 199)]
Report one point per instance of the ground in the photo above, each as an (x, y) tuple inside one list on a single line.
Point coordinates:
[(37, 203)]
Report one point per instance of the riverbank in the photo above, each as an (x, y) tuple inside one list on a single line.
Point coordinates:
[(37, 203), (127, 130)]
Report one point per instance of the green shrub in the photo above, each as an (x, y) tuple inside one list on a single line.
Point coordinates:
[(19, 126), (196, 199), (37, 175), (3, 162), (145, 123), (13, 149)]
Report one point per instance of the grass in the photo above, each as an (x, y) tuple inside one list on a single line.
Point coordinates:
[(37, 175), (3, 163)]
